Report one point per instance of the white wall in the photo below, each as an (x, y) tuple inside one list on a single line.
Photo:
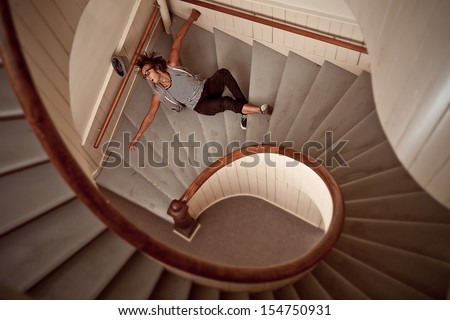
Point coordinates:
[(334, 9), (281, 41), (97, 38), (409, 46), (280, 180), (46, 33)]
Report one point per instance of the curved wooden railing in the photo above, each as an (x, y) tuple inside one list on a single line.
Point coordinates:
[(278, 25), (20, 77), (179, 208)]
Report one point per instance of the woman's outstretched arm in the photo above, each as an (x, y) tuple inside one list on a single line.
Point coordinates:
[(174, 57)]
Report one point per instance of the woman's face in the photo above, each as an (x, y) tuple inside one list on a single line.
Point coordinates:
[(150, 74)]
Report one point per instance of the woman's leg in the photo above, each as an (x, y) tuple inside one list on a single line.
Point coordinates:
[(215, 85), (212, 102), (212, 105)]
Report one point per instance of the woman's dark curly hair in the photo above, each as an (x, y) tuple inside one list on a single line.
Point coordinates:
[(153, 59)]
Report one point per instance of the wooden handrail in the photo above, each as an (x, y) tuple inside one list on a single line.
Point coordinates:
[(20, 78), (119, 93), (337, 220), (278, 25)]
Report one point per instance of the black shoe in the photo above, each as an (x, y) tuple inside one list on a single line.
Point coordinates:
[(243, 122)]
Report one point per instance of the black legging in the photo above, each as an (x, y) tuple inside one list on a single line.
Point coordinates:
[(211, 100)]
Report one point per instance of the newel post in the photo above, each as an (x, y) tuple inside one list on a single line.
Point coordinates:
[(185, 225)]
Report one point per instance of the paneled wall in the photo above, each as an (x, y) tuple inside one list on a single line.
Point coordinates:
[(46, 29), (410, 49), (112, 81), (278, 179), (282, 41)]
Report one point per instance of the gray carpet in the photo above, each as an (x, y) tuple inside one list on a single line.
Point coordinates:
[(241, 231)]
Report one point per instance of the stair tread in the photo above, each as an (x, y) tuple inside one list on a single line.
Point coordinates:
[(264, 85), (287, 292), (201, 292), (32, 251), (147, 162), (308, 288), (136, 280), (291, 94), (362, 137), (236, 56), (87, 273), (392, 181), (133, 187), (331, 83), (380, 158), (225, 295), (425, 274), (14, 155), (353, 107), (416, 206), (10, 106), (404, 235), (41, 186), (264, 295), (160, 133), (337, 286), (374, 283), (171, 287)]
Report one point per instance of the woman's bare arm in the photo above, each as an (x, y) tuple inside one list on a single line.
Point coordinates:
[(174, 57), (149, 117)]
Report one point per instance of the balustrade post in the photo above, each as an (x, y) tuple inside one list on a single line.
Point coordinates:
[(184, 224)]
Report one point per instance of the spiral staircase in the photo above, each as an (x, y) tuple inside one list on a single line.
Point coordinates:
[(394, 244)]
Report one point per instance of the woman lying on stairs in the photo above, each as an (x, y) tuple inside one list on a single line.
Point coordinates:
[(178, 89)]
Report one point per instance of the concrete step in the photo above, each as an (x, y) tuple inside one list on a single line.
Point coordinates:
[(160, 134), (386, 183), (136, 280), (265, 79), (236, 56), (374, 283), (428, 239), (201, 292), (298, 76), (377, 159), (331, 83), (147, 162), (415, 207), (30, 193), (287, 292), (15, 156), (264, 295), (308, 288), (127, 183), (88, 272), (362, 137), (337, 286), (425, 274), (225, 295), (9, 105), (352, 108), (35, 249), (171, 287)]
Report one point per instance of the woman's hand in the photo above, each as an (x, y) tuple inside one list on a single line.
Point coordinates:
[(132, 144), (194, 15)]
